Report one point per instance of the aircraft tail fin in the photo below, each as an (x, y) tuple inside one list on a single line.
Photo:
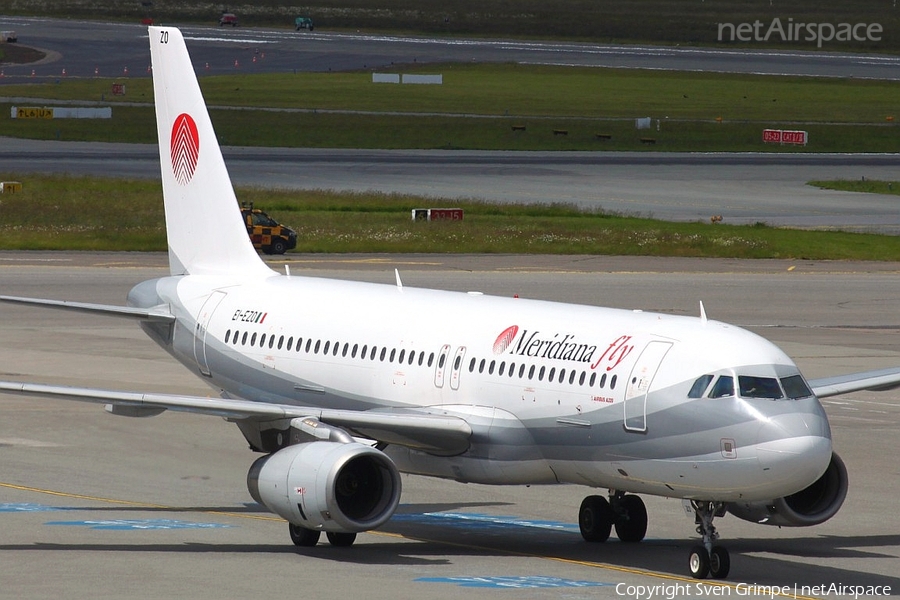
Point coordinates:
[(204, 226)]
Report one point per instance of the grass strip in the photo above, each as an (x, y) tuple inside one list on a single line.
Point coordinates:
[(499, 107), (869, 186), (59, 212)]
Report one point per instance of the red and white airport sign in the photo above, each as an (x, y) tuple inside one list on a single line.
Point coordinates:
[(785, 136)]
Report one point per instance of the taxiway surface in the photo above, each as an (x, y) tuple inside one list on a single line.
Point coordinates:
[(98, 506)]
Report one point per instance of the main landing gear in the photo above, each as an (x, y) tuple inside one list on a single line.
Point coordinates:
[(301, 536), (708, 560), (624, 511), (629, 516)]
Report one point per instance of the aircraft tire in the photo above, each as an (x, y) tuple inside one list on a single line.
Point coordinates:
[(595, 519), (699, 562), (631, 524), (301, 536), (341, 539), (719, 563)]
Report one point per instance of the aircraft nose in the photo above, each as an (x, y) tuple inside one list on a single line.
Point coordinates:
[(795, 447)]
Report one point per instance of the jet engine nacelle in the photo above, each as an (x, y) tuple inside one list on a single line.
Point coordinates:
[(810, 506), (327, 486)]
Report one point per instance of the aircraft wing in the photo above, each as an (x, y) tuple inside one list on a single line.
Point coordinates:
[(444, 434), (156, 313), (878, 381)]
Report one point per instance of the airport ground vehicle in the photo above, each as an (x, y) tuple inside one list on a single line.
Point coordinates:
[(266, 233), (303, 23)]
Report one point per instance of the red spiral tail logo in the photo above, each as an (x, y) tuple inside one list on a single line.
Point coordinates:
[(185, 148), (506, 338)]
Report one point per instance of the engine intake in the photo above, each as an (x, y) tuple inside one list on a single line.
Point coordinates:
[(810, 506), (327, 486)]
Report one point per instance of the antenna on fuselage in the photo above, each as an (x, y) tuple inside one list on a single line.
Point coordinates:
[(703, 318), (397, 275)]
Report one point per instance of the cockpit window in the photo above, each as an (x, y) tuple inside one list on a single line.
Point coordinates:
[(795, 387), (700, 386), (759, 387), (724, 387)]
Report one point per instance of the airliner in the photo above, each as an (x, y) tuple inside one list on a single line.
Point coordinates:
[(341, 386)]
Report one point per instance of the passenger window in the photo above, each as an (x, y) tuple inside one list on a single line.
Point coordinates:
[(531, 372), (581, 378), (327, 346), (795, 387), (603, 380), (262, 340), (227, 336), (472, 365), (724, 387), (290, 343), (253, 339), (551, 374), (612, 382), (281, 342), (354, 351), (402, 356), (759, 387), (593, 379), (502, 368), (491, 367), (244, 339), (700, 386)]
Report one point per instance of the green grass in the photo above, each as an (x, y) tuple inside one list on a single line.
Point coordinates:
[(478, 105), (90, 213), (870, 186)]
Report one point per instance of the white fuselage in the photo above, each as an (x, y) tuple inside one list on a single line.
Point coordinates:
[(555, 393)]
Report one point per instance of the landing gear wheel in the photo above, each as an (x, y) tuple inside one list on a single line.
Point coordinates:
[(631, 521), (595, 519), (699, 562), (340, 539), (719, 563), (301, 536)]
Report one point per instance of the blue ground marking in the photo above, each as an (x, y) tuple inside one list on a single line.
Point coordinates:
[(140, 524), (514, 582), (483, 521), (28, 507)]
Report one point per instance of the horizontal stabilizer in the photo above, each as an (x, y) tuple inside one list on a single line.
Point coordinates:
[(420, 430), (878, 381), (156, 313)]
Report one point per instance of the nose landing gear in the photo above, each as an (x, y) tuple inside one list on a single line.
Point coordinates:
[(708, 560)]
